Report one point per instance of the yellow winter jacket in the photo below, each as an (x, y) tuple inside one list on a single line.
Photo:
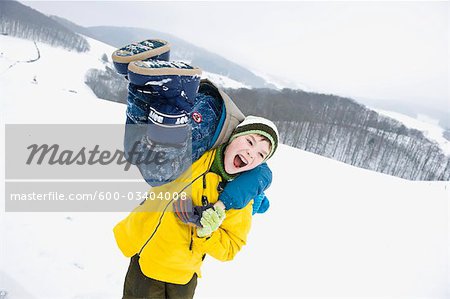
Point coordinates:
[(170, 250)]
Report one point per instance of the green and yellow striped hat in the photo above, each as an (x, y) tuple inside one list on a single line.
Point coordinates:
[(258, 125)]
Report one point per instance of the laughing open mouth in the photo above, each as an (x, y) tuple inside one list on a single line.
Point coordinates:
[(240, 161)]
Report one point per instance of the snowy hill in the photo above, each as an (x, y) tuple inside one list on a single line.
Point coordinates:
[(58, 75), (431, 130), (53, 83), (333, 230), (223, 81), (22, 21)]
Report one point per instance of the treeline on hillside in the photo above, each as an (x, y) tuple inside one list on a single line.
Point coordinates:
[(21, 21), (344, 130)]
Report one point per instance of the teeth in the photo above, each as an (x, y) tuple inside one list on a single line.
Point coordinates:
[(243, 159)]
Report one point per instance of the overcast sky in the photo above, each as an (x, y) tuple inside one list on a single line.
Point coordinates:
[(380, 50)]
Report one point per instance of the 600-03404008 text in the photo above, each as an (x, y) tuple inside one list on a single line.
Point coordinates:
[(98, 195)]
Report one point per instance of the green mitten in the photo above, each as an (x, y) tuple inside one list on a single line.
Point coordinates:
[(211, 220)]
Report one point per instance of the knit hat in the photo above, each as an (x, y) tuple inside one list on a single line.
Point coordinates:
[(258, 125)]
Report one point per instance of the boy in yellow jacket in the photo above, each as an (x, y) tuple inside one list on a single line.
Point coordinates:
[(166, 254)]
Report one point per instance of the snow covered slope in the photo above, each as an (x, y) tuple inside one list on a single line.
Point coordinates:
[(431, 130), (223, 81), (337, 231), (58, 77), (51, 86), (333, 230)]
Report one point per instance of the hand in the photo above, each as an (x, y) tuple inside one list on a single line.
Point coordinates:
[(187, 213), (211, 220)]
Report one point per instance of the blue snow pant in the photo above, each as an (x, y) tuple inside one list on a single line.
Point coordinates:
[(162, 163)]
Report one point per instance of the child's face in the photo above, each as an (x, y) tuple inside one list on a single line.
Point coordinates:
[(245, 153)]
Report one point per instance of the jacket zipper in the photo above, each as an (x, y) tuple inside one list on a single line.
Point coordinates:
[(165, 208)]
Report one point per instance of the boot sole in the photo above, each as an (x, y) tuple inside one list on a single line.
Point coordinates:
[(140, 68), (122, 58)]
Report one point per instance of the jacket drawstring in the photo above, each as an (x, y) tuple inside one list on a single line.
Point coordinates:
[(192, 237)]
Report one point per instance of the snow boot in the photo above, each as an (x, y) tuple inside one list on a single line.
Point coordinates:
[(167, 91), (148, 49)]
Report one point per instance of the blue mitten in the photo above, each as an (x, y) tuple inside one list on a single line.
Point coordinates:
[(260, 204)]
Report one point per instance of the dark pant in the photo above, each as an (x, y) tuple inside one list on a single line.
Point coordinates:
[(139, 286)]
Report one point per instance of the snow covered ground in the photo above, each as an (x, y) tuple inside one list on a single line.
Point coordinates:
[(430, 128), (52, 89), (223, 81), (333, 230), (281, 83)]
